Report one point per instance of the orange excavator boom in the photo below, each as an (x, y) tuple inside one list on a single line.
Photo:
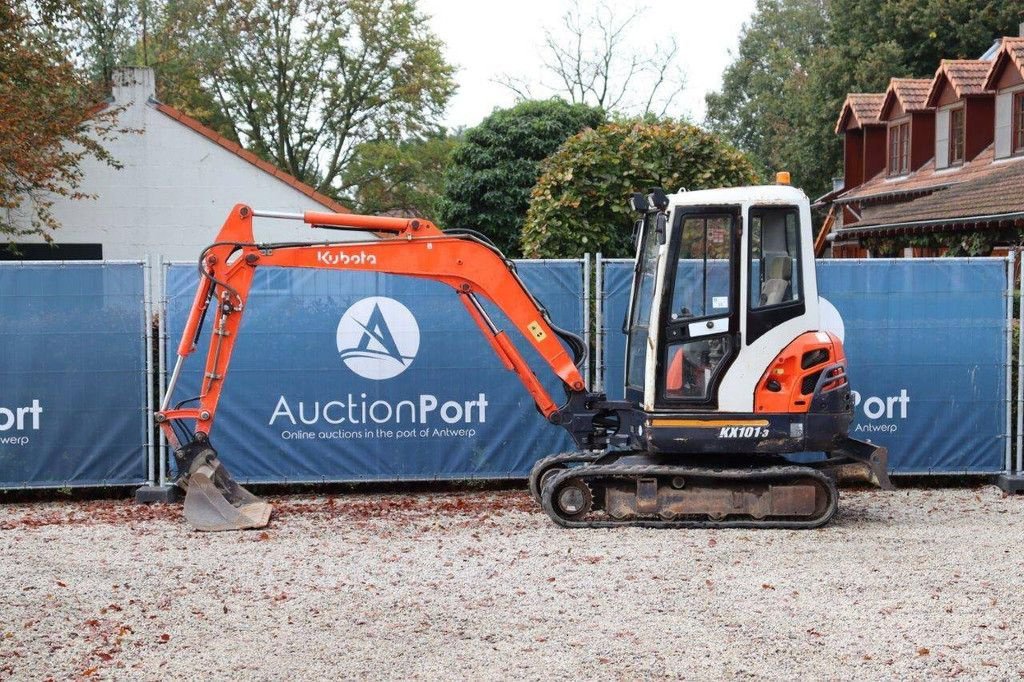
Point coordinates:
[(466, 262)]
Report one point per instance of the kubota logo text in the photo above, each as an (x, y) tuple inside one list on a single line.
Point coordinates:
[(339, 257), (378, 337)]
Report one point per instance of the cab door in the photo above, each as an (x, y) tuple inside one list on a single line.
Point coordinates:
[(700, 316)]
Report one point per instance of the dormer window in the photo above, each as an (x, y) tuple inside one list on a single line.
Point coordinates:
[(1018, 123), (899, 149), (957, 136)]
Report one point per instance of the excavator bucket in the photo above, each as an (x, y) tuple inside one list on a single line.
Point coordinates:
[(213, 500)]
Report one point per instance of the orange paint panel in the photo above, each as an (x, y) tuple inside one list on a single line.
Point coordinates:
[(786, 373)]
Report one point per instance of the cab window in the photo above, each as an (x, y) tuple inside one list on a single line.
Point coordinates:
[(640, 315), (701, 286), (774, 257)]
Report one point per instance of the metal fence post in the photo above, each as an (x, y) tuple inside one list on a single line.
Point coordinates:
[(147, 306), (162, 360), (1011, 285), (586, 317), (1009, 358), (599, 323)]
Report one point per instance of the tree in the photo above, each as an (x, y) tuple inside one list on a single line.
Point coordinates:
[(302, 83), (493, 169), (405, 177), (579, 205), (774, 49), (589, 60), (799, 58), (49, 124)]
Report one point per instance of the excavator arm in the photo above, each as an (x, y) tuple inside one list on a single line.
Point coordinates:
[(465, 261)]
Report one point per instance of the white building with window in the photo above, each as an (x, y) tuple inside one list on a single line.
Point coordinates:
[(178, 182)]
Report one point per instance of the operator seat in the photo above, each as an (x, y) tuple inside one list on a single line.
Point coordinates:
[(778, 279)]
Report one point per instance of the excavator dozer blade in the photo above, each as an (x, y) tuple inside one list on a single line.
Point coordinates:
[(213, 500), (869, 463)]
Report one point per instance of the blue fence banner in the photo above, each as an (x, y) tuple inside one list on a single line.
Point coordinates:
[(355, 376), (926, 343), (72, 374)]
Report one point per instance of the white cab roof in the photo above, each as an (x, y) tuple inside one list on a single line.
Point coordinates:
[(759, 194)]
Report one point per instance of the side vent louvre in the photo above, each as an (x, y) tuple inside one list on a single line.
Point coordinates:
[(813, 357), (809, 382)]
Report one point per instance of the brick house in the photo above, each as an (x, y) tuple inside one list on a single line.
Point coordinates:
[(933, 166)]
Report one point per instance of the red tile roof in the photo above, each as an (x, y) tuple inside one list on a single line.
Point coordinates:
[(912, 94), (864, 107), (966, 76), (238, 150), (922, 181), (996, 191), (1011, 51)]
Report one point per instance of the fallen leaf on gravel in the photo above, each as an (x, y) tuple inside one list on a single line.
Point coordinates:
[(89, 672), (923, 651), (263, 536), (767, 586), (165, 638), (60, 584)]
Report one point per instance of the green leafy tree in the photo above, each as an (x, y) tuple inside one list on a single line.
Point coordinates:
[(405, 178), (304, 82), (48, 125), (493, 169), (580, 205), (798, 59), (301, 83), (774, 48)]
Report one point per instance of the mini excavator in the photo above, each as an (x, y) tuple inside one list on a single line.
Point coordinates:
[(733, 364)]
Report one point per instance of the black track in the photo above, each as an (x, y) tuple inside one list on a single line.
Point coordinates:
[(592, 474), (562, 459)]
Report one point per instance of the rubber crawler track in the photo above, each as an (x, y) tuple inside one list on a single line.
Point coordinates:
[(764, 474), (562, 458)]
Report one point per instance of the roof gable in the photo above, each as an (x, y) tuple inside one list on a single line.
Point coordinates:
[(910, 93), (964, 76), (860, 109), (239, 151), (1011, 53)]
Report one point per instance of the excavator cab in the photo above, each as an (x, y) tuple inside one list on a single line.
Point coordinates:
[(717, 295)]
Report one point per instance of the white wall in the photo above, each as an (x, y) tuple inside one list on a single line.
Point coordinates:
[(175, 189)]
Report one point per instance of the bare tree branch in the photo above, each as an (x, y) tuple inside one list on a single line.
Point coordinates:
[(593, 59)]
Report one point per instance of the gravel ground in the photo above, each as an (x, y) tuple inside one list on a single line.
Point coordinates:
[(911, 584)]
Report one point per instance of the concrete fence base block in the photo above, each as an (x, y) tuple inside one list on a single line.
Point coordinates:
[(1011, 483), (150, 494)]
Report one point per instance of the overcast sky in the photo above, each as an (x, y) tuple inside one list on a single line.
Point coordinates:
[(487, 38)]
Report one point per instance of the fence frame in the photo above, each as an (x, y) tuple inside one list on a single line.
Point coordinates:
[(145, 420)]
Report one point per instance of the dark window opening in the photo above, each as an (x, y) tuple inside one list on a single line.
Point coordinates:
[(1018, 123), (899, 149), (956, 136), (51, 252)]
